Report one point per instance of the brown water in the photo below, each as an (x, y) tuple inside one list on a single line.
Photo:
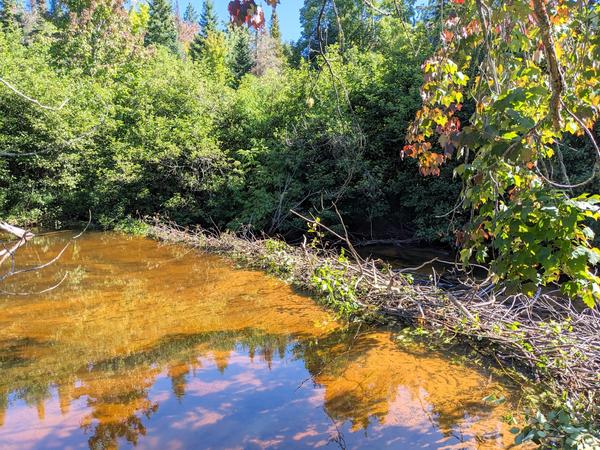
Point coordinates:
[(160, 347), (410, 257)]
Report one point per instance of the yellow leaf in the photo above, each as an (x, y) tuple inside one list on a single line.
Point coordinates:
[(559, 50), (571, 127)]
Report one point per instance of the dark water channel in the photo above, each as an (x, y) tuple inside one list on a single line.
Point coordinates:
[(159, 347)]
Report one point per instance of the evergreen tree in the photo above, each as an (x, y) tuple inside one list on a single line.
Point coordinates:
[(275, 32), (241, 57), (208, 19), (208, 25), (190, 14), (197, 47), (161, 25), (8, 14)]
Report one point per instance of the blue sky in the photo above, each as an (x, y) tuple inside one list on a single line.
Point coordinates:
[(287, 10)]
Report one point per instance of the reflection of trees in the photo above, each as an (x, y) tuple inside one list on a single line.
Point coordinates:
[(366, 377), (360, 373), (117, 388), (178, 374), (108, 338), (105, 435), (118, 402)]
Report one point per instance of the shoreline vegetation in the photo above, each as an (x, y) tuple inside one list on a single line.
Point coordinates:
[(545, 343)]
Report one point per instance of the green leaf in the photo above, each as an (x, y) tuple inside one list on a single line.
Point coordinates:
[(510, 135), (592, 254)]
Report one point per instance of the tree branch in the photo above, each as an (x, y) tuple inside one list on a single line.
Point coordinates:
[(557, 81), (32, 100)]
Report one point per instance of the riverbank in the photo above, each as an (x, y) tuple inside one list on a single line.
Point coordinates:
[(545, 339)]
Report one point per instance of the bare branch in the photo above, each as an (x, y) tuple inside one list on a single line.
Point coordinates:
[(32, 100), (23, 236)]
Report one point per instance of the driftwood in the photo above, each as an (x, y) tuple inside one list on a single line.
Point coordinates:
[(9, 251), (23, 236), (548, 336)]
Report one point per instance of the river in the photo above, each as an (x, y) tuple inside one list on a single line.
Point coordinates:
[(160, 347)]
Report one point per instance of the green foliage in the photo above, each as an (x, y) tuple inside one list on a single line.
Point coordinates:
[(241, 57), (532, 86), (140, 142), (347, 23), (278, 259), (564, 424), (161, 26), (538, 237), (146, 132), (211, 54), (336, 286), (190, 14), (139, 18), (97, 39), (132, 226)]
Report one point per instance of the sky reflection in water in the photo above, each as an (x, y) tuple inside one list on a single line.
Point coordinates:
[(156, 346)]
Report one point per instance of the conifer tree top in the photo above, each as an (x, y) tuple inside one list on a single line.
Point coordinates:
[(190, 14), (275, 32), (208, 18), (161, 25)]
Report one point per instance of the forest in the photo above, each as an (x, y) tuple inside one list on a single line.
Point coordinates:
[(146, 111), (469, 125), (231, 127)]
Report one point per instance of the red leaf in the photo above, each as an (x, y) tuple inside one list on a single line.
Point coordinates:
[(258, 18), (247, 12), (447, 36)]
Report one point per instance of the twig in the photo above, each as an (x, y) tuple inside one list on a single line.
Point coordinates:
[(33, 100)]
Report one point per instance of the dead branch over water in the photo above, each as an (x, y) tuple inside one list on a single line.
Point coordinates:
[(555, 340), (8, 251)]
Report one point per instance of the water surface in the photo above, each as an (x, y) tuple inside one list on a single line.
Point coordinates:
[(159, 347)]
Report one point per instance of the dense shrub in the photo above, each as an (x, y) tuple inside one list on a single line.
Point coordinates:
[(154, 132)]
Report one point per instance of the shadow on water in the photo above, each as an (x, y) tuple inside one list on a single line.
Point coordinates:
[(158, 347)]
